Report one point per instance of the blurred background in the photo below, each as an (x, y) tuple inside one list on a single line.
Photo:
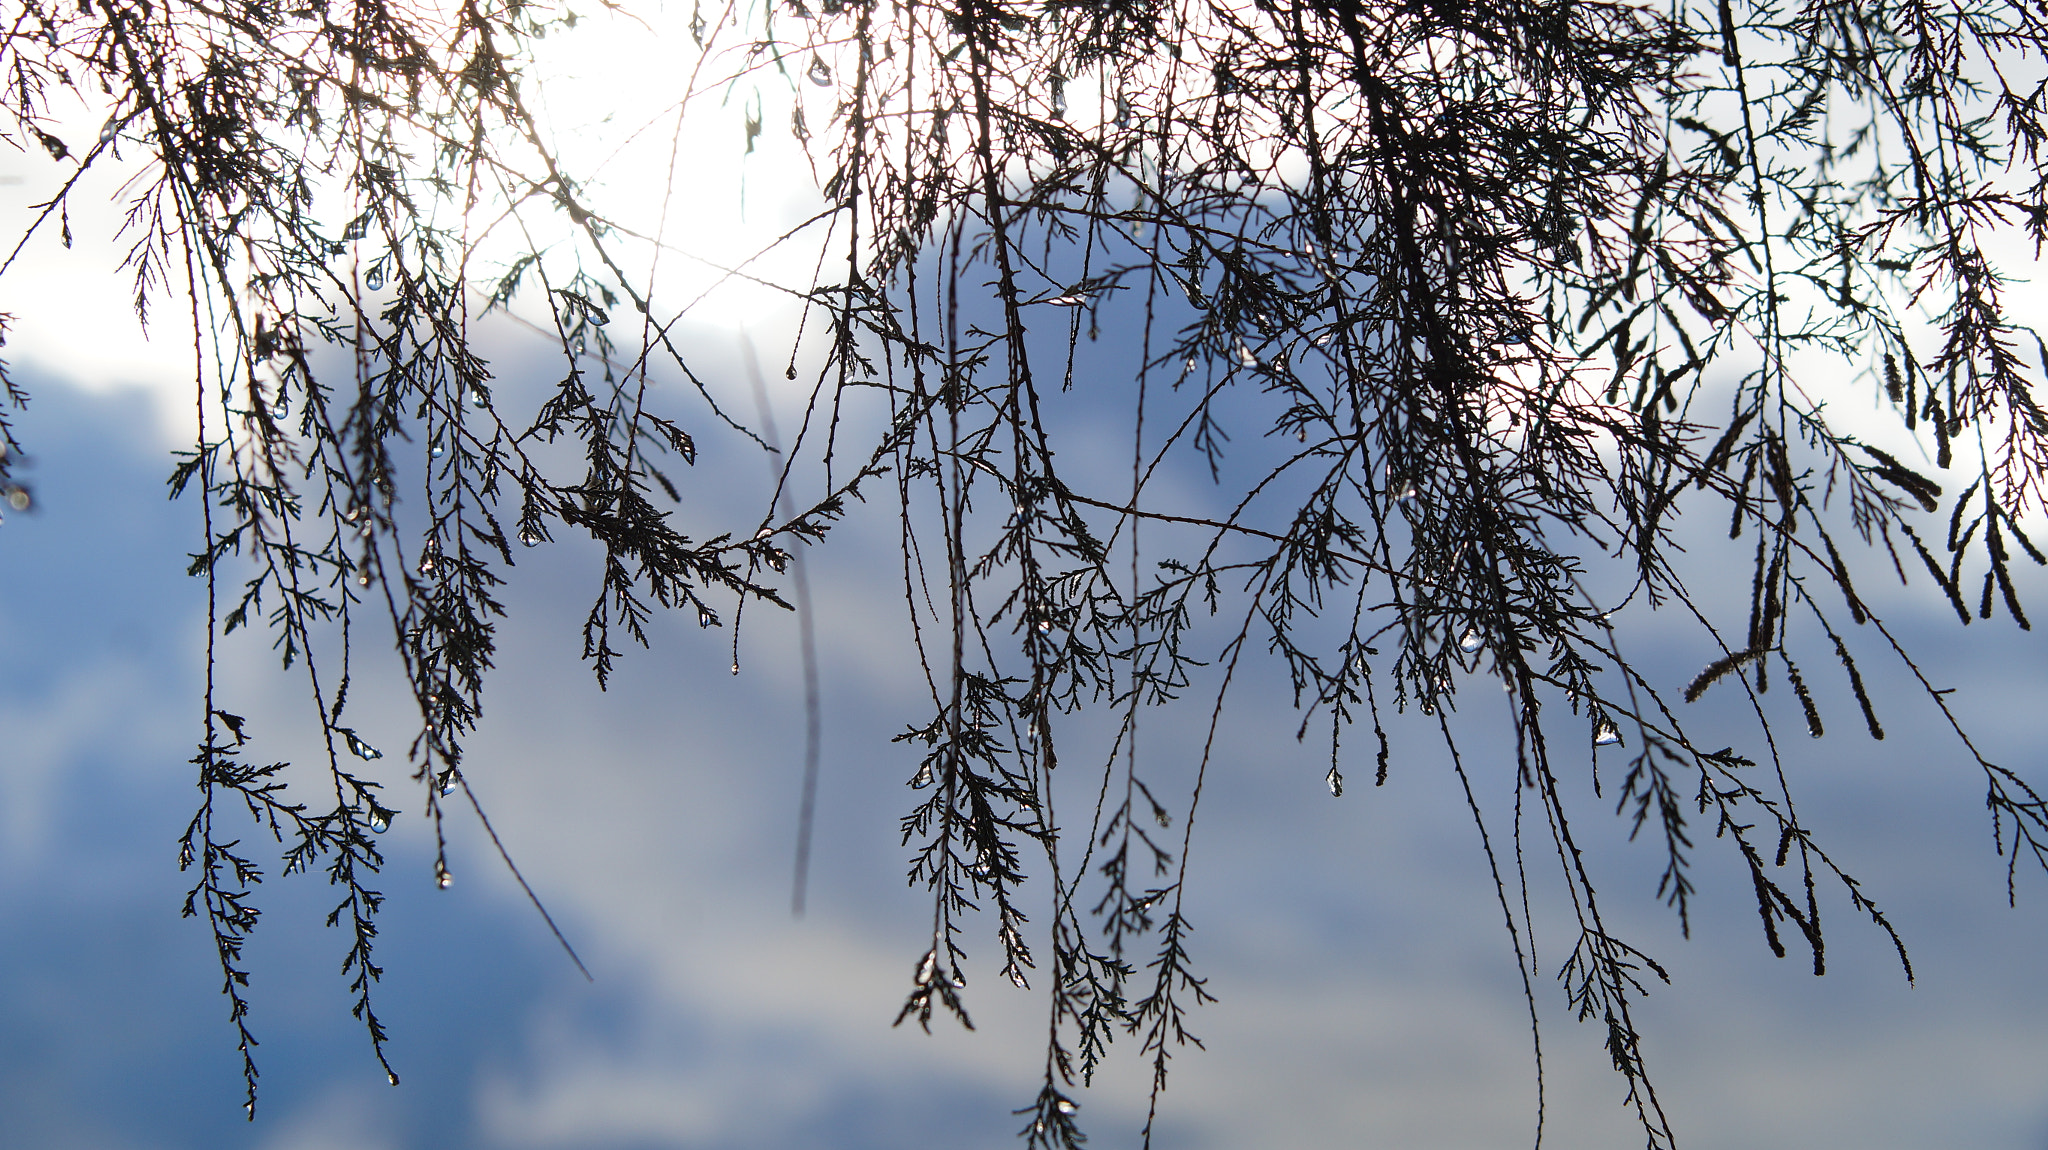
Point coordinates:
[(1368, 994)]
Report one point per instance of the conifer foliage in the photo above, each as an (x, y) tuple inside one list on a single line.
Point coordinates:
[(1461, 307)]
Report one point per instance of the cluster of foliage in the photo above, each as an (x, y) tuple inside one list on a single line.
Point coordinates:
[(1458, 304)]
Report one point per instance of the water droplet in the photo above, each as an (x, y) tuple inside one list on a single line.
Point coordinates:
[(1605, 735), (820, 73), (927, 967), (448, 783), (363, 577), (1472, 640), (378, 822), (437, 451), (427, 563), (1246, 357), (530, 538), (1065, 1106), (362, 749), (735, 668), (477, 398), (1017, 979), (959, 979), (1189, 366), (1301, 433), (923, 779), (392, 1076), (1044, 625), (446, 880), (375, 278), (779, 560), (354, 512), (1407, 493), (18, 498), (576, 348), (250, 1109), (705, 618), (1336, 781)]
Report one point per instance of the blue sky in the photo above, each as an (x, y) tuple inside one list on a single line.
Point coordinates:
[(1367, 993)]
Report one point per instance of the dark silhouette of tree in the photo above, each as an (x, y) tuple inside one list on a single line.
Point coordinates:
[(1459, 305)]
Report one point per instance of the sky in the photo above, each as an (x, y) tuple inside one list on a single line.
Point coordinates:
[(1367, 994)]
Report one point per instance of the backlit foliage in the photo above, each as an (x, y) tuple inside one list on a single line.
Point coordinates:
[(1461, 307)]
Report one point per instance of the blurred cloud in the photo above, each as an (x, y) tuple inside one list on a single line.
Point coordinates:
[(1367, 991)]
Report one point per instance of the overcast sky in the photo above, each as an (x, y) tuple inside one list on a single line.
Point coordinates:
[(1368, 995)]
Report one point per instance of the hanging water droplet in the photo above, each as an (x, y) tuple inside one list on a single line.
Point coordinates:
[(927, 967), (576, 348), (18, 498), (361, 749), (779, 560), (363, 577), (530, 538), (705, 618), (437, 451), (959, 980), (1406, 494), (735, 668), (1472, 640), (1246, 357), (354, 512), (923, 778), (1066, 1106), (1189, 366), (820, 73), (477, 398), (375, 278), (1123, 111), (378, 822), (1044, 625), (1301, 433), (448, 783), (446, 880), (1336, 781), (427, 563), (392, 1076), (1605, 735)]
